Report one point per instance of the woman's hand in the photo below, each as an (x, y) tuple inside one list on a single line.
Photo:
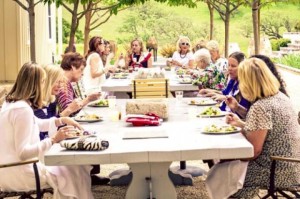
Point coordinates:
[(93, 96), (70, 122), (218, 97), (74, 106), (62, 134), (204, 91), (234, 120), (232, 103)]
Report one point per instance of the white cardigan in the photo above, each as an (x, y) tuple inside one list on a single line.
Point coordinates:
[(19, 130)]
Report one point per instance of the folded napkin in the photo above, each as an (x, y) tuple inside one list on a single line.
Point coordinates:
[(225, 179), (91, 143)]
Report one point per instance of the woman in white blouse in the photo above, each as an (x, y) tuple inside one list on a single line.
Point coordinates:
[(94, 73), (20, 141), (183, 57)]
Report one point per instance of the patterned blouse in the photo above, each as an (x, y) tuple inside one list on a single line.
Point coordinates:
[(65, 96), (277, 115), (212, 78)]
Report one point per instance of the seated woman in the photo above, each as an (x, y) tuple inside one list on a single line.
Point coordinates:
[(138, 57), (234, 105), (232, 89), (209, 75), (51, 87), (183, 56), (73, 65), (271, 127), (220, 62), (20, 141), (95, 71)]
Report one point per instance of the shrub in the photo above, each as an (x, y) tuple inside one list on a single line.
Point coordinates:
[(168, 50), (292, 60), (297, 26), (277, 43)]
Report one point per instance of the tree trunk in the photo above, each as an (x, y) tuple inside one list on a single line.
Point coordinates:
[(211, 20), (255, 27), (74, 26), (31, 14), (87, 31), (258, 22), (227, 19)]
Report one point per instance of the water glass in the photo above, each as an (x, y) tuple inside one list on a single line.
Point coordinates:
[(114, 115), (111, 101), (179, 95)]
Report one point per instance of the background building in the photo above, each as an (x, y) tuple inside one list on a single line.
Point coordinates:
[(15, 41)]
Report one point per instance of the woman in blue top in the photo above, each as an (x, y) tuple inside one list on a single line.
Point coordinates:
[(231, 92), (51, 88)]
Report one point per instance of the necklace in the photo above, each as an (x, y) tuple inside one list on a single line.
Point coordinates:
[(182, 57)]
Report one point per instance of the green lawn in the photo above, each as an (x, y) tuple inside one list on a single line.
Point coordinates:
[(199, 16)]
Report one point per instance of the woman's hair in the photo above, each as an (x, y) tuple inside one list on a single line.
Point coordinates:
[(140, 43), (28, 85), (274, 70), (238, 56), (93, 45), (213, 45), (72, 59), (256, 81), (199, 45), (202, 54), (180, 40), (54, 73), (113, 46)]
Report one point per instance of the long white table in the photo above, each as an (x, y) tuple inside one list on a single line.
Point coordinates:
[(125, 85), (153, 157)]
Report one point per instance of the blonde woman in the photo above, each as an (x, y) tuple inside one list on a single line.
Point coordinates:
[(183, 56), (20, 141), (54, 78), (138, 58), (271, 127)]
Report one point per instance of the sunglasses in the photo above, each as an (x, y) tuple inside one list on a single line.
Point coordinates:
[(184, 44)]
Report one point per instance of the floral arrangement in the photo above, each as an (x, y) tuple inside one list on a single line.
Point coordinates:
[(212, 78)]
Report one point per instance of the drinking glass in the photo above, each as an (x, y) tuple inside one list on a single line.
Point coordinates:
[(179, 95), (111, 101)]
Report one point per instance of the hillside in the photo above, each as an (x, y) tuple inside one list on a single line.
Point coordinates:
[(200, 15)]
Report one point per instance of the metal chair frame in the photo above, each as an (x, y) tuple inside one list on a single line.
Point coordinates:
[(26, 194), (274, 191)]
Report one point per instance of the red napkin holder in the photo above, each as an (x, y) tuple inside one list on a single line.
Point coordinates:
[(149, 119)]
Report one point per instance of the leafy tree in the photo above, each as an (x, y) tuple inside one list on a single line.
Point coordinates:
[(97, 15), (66, 32), (29, 7), (225, 8), (150, 20), (274, 26)]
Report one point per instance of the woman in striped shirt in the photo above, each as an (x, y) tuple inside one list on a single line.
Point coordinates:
[(69, 102)]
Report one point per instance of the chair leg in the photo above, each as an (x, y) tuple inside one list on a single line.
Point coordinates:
[(37, 181), (284, 194), (270, 194)]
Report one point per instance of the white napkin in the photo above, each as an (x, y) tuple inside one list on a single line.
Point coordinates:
[(225, 179)]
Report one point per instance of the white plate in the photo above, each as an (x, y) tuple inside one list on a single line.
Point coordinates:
[(81, 119), (222, 114), (238, 129), (205, 102), (96, 104)]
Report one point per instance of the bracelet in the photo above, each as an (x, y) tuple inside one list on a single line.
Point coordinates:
[(60, 122)]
